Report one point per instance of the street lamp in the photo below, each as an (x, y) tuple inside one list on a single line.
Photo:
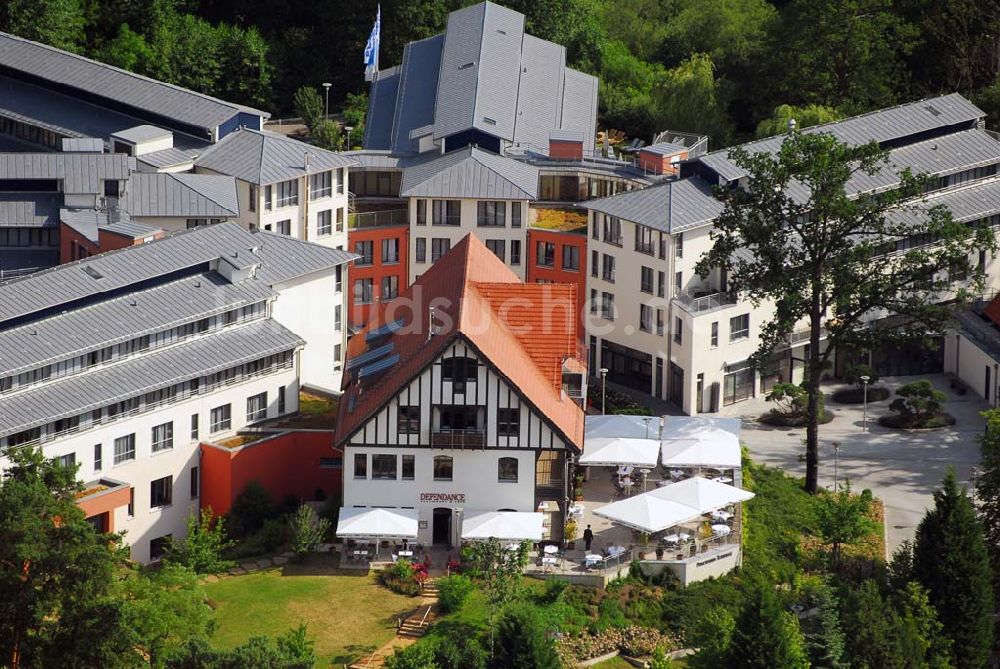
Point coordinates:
[(326, 108), (646, 421), (604, 385), (836, 465), (864, 388), (347, 143)]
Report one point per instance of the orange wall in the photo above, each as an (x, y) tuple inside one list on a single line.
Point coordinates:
[(659, 163), (286, 464), (358, 314), (106, 503), (107, 241), (557, 274), (560, 149)]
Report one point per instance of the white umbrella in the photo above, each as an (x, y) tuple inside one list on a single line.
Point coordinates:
[(503, 525), (355, 523), (614, 451), (641, 427), (706, 448), (673, 504)]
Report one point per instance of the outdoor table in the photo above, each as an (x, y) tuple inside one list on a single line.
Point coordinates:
[(405, 553), (543, 506), (624, 470), (512, 547), (721, 515), (576, 510), (721, 530), (551, 549), (677, 538), (615, 551), (676, 473), (592, 560), (550, 561)]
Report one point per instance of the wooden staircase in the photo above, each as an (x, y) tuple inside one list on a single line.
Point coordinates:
[(412, 628)]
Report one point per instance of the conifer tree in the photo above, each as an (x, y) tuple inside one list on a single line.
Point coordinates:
[(766, 636)]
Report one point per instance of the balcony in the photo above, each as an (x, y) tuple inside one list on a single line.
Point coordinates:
[(378, 219), (468, 437), (702, 301)]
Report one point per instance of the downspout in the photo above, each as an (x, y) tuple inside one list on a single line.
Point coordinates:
[(305, 198)]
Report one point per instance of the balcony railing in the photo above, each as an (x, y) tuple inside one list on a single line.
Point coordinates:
[(446, 437), (705, 302), (378, 219)]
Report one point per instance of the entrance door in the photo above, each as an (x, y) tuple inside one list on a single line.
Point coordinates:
[(676, 385), (442, 526)]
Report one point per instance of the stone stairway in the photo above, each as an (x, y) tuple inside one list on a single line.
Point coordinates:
[(412, 628)]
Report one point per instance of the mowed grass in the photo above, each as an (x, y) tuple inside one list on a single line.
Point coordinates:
[(347, 613)]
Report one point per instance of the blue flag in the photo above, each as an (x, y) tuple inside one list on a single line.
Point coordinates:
[(371, 48)]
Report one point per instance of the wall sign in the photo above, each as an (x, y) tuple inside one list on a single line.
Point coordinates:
[(443, 497)]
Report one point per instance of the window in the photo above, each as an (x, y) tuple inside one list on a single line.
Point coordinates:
[(337, 359), (366, 251), (491, 213), (98, 458), (507, 470), (340, 220), (515, 214), (659, 322), (593, 301), (390, 287), (545, 254), (421, 249), (193, 223), (409, 468), (443, 470), (360, 466), (324, 222), (446, 212), (288, 193), (340, 179), (595, 227), (646, 280), (679, 245), (661, 279), (459, 369), (268, 199), (645, 318), (124, 449), (595, 262), (130, 510), (221, 418), (715, 333), (390, 251), (161, 492), (163, 437), (320, 185), (515, 252), (508, 422), (338, 278), (421, 212), (363, 291), (158, 546), (608, 268), (383, 467), (612, 230), (284, 227), (571, 258), (257, 407), (644, 240), (408, 420), (338, 317), (739, 327), (254, 196), (737, 386), (608, 306), (678, 330), (281, 399), (439, 246), (499, 248), (68, 460), (195, 482)]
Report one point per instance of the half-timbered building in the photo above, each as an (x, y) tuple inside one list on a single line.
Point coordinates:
[(463, 395)]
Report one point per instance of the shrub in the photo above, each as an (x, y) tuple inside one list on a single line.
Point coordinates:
[(402, 578), (250, 509), (417, 656), (265, 540), (633, 640), (308, 105), (853, 374), (453, 592), (917, 404), (308, 530), (201, 550)]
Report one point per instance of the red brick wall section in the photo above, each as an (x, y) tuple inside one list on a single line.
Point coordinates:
[(562, 149), (286, 464), (557, 274), (358, 314), (67, 237), (658, 163)]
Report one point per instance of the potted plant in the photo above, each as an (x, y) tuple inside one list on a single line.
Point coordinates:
[(569, 534), (659, 552)]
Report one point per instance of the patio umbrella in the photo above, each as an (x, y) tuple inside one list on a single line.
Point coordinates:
[(615, 451), (638, 427), (503, 525), (705, 448), (703, 495), (673, 504), (377, 524)]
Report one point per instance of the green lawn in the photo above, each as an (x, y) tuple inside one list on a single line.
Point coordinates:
[(347, 613)]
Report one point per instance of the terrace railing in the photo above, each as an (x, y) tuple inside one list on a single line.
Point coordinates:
[(697, 304), (470, 437)]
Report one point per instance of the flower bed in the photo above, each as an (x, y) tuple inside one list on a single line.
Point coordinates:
[(634, 641), (404, 578), (857, 395)]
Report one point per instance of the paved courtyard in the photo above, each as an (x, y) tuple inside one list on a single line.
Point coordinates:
[(902, 468)]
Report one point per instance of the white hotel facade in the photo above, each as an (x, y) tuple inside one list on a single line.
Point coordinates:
[(122, 363)]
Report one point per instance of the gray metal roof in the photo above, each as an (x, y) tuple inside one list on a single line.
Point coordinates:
[(171, 157), (119, 319), (83, 144), (27, 210), (381, 108), (142, 133), (287, 258), (566, 136), (967, 203), (77, 394), (130, 228), (471, 173), (579, 107), (79, 172), (261, 157), (373, 160), (539, 106), (418, 85), (664, 149), (84, 221), (73, 72), (181, 194), (884, 125), (672, 206)]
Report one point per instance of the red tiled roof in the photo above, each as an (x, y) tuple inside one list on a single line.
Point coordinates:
[(525, 331), (992, 310)]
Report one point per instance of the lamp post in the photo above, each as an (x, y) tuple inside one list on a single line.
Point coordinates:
[(836, 465), (646, 421), (347, 143), (864, 388), (326, 108), (604, 385)]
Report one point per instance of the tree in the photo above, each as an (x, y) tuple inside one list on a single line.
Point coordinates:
[(804, 117), (326, 135), (766, 636), (712, 637), (950, 560), (873, 630), (308, 106), (499, 571), (817, 253), (843, 518), (128, 50), (57, 575), (523, 640), (308, 530), (988, 490), (201, 550), (417, 656), (291, 650), (924, 634), (690, 98), (822, 634), (918, 402), (853, 374), (245, 70), (58, 23)]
